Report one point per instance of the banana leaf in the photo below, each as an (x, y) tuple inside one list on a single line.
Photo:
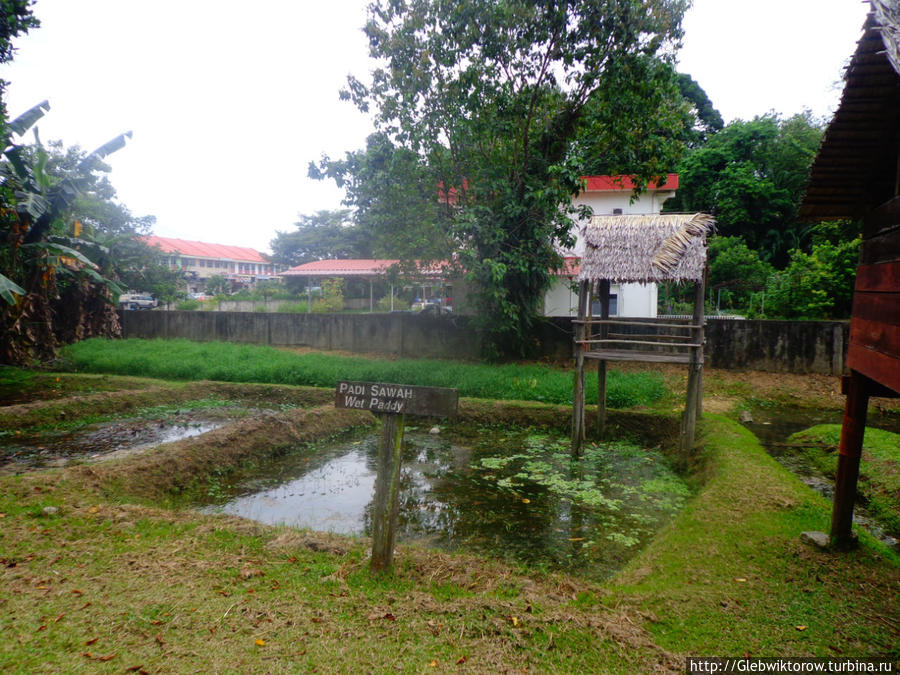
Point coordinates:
[(27, 119), (9, 289)]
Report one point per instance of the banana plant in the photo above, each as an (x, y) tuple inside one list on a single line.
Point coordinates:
[(40, 201)]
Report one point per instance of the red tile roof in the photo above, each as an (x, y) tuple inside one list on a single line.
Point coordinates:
[(367, 267), (617, 183), (203, 250), (570, 268)]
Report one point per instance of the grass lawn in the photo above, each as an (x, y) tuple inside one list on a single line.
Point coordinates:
[(230, 362), (112, 581)]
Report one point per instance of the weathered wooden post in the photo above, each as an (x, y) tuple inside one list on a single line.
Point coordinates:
[(601, 364), (578, 394), (391, 403)]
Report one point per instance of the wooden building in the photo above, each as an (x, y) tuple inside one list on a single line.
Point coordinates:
[(856, 175)]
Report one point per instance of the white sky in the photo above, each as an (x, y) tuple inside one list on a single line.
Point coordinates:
[(229, 101)]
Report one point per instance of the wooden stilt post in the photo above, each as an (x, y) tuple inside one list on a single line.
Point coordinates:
[(852, 433), (578, 395), (695, 373), (601, 365), (387, 493)]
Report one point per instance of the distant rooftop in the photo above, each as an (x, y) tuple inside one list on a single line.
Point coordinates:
[(355, 267), (202, 249)]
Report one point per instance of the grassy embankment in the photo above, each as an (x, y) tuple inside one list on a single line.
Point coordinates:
[(229, 362), (105, 584)]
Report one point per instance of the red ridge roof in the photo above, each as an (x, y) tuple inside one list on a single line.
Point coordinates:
[(203, 250), (617, 183), (350, 267)]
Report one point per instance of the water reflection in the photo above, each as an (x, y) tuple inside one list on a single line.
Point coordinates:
[(506, 494)]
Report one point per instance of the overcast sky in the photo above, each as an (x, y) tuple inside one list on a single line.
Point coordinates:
[(229, 101)]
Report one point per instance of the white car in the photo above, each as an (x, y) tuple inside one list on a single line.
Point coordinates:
[(137, 301)]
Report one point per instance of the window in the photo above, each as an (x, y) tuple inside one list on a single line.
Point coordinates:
[(613, 306)]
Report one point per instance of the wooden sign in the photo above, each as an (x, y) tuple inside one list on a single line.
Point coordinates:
[(397, 399), (391, 402)]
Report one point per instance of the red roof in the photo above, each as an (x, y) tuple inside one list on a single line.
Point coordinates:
[(203, 250), (362, 267), (570, 268), (621, 183)]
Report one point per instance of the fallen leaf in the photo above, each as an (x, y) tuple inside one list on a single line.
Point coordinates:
[(389, 617), (515, 621), (433, 664), (526, 501), (41, 627), (461, 660), (94, 509), (576, 538), (740, 579), (88, 643), (260, 643), (801, 628), (77, 592)]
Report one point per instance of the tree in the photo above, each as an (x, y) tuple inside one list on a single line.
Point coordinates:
[(321, 236), (505, 103), (818, 284), (217, 285), (735, 268), (52, 291), (706, 119), (751, 176), (15, 19), (397, 200)]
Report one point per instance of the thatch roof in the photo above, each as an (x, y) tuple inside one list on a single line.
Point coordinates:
[(856, 165), (663, 247)]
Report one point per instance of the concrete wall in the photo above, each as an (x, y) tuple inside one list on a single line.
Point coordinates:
[(775, 346)]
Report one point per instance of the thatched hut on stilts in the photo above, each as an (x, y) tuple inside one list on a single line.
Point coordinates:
[(642, 249)]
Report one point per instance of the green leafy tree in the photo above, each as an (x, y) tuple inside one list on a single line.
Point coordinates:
[(321, 236), (217, 285), (506, 104), (736, 270), (815, 285), (751, 176), (706, 120), (332, 299), (397, 200)]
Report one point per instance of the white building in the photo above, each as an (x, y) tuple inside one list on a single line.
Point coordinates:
[(609, 195)]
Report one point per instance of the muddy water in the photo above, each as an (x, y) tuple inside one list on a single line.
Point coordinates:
[(508, 494), (28, 451), (773, 426)]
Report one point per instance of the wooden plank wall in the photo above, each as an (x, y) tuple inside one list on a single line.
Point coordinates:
[(874, 347)]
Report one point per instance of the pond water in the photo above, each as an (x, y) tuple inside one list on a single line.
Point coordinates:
[(508, 494), (25, 451), (773, 427)]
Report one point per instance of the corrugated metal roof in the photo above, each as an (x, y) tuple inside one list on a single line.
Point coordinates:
[(201, 249), (856, 163)]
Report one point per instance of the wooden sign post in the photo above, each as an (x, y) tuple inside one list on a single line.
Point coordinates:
[(391, 403)]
